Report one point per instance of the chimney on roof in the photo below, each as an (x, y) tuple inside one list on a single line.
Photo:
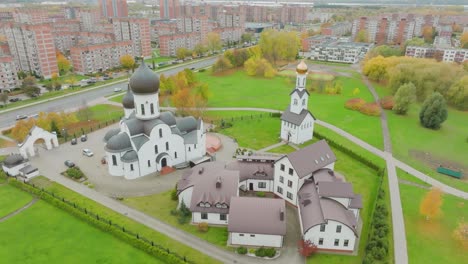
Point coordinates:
[(281, 215), (218, 182), (200, 171)]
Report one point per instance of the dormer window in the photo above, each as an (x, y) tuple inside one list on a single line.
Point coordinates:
[(207, 205)]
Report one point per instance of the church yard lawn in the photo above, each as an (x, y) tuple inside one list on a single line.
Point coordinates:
[(432, 242), (158, 60), (228, 116), (12, 199), (128, 223), (45, 234), (444, 146), (284, 149), (160, 205), (106, 112)]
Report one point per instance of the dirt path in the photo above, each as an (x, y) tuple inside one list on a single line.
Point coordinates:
[(8, 216)]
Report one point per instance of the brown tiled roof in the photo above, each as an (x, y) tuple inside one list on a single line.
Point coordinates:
[(325, 175), (311, 158), (257, 216), (335, 189)]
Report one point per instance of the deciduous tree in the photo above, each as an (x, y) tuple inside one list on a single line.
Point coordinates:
[(127, 61), (433, 112), (4, 98), (428, 34), (246, 37), (29, 86), (464, 40), (63, 63), (182, 53), (431, 203), (213, 42), (276, 45), (362, 36), (21, 129), (405, 95), (306, 248), (457, 95), (199, 49), (222, 64)]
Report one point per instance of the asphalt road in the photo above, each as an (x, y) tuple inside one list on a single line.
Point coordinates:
[(74, 101)]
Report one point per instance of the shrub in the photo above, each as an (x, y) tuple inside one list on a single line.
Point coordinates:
[(74, 173), (260, 252), (241, 250), (371, 109), (387, 102), (8, 131), (378, 253), (202, 227), (270, 252), (355, 103), (174, 196), (201, 70), (279, 115), (260, 194)]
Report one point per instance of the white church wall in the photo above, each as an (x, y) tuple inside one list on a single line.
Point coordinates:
[(116, 169), (144, 101), (131, 170), (329, 236)]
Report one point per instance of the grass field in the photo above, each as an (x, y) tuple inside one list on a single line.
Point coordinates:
[(284, 149), (160, 206), (12, 199), (103, 211), (106, 112), (432, 242), (45, 234)]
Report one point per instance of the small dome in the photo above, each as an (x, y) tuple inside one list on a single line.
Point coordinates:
[(301, 68), (111, 133), (144, 80), (118, 143), (127, 100), (13, 160)]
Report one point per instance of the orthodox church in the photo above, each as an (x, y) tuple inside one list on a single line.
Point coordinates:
[(297, 123), (147, 139)]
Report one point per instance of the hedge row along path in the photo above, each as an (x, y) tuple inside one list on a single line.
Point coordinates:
[(19, 210)]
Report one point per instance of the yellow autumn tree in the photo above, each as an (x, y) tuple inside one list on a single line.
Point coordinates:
[(431, 203), (127, 61), (21, 129), (63, 63), (464, 40)]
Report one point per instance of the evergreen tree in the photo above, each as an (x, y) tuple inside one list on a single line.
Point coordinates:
[(404, 96), (433, 112)]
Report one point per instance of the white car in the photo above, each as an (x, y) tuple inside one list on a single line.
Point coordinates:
[(117, 89), (88, 152)]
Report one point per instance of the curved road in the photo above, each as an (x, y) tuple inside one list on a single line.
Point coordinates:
[(75, 100)]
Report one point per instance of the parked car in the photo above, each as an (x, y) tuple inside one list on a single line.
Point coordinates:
[(87, 152), (83, 138), (19, 117), (106, 78), (69, 164), (12, 100), (192, 69), (74, 141), (117, 89)]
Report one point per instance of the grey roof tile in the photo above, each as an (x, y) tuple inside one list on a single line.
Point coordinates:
[(139, 141), (295, 119), (335, 189), (119, 143), (129, 156)]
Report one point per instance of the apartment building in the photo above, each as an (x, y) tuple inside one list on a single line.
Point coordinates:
[(168, 44), (99, 57), (137, 30), (8, 77), (337, 30), (337, 50), (113, 8), (31, 16), (440, 54), (32, 47), (169, 9)]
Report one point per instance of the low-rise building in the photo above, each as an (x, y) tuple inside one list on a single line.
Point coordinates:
[(337, 50), (16, 165), (440, 54), (338, 29)]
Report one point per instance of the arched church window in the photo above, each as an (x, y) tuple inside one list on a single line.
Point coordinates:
[(160, 132), (167, 145), (152, 108), (114, 160), (142, 109)]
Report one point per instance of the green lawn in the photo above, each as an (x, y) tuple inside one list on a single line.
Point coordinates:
[(106, 112), (63, 79), (447, 144), (129, 224), (46, 234), (158, 60), (329, 63), (284, 149), (12, 199), (228, 116), (240, 90), (160, 206), (432, 242)]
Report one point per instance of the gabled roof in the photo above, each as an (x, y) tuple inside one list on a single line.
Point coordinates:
[(311, 158), (252, 170), (257, 216), (129, 156), (356, 202), (300, 92), (295, 118), (336, 189)]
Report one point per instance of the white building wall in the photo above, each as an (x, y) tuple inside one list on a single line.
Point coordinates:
[(130, 174), (14, 171), (329, 236), (259, 240), (305, 130), (118, 168), (213, 219), (144, 102), (185, 196), (255, 185), (286, 177)]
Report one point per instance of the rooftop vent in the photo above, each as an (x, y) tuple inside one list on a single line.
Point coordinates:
[(218, 182)]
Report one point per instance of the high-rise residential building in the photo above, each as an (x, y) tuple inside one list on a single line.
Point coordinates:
[(8, 77), (169, 9), (137, 30), (32, 47), (99, 57), (31, 16), (113, 8), (89, 19)]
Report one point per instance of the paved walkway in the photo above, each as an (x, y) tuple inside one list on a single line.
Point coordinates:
[(272, 147), (19, 210)]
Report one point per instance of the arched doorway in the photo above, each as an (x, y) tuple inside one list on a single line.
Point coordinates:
[(163, 162)]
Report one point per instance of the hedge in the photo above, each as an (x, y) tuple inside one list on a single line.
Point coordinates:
[(136, 241)]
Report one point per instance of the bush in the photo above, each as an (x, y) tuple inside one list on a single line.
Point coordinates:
[(355, 103), (202, 227), (241, 250), (260, 252), (387, 102), (8, 131), (74, 173), (260, 194), (371, 109), (279, 115), (201, 70), (270, 252)]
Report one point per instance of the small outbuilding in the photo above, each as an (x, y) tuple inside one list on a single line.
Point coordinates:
[(259, 222), (16, 165)]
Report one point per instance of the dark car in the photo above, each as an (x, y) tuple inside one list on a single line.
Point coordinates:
[(14, 100), (74, 141), (83, 138), (69, 164)]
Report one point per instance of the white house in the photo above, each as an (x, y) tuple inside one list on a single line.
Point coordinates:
[(297, 123), (17, 165), (257, 222), (292, 170), (255, 172), (207, 190), (149, 140)]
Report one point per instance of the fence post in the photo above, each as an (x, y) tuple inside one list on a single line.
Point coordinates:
[(152, 244), (86, 211), (97, 216), (123, 228), (138, 236), (110, 222)]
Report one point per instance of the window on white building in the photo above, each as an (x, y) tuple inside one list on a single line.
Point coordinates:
[(241, 235), (289, 195), (222, 217), (338, 228), (152, 108), (131, 167), (279, 190), (262, 185), (289, 183), (291, 171), (252, 235), (295, 101), (337, 242), (142, 109), (149, 163), (346, 243), (204, 216), (160, 132), (282, 167), (322, 227), (189, 149), (167, 145), (155, 149), (114, 160), (320, 241), (281, 179), (175, 155)]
